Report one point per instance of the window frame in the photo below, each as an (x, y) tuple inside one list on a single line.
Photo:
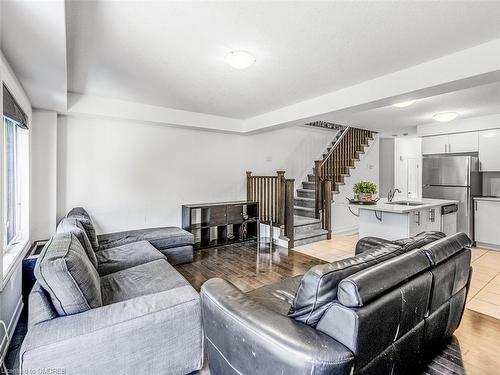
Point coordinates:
[(17, 203)]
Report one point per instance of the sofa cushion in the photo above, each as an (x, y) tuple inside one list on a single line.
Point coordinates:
[(365, 286), (178, 255), (318, 287), (149, 278), (122, 257), (160, 238), (279, 296), (440, 251), (72, 225), (419, 240), (83, 217), (65, 272)]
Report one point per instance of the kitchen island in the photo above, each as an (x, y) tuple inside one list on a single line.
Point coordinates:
[(399, 219)]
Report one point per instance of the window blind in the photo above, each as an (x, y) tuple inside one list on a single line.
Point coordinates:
[(13, 110)]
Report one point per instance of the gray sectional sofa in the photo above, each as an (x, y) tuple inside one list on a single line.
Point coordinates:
[(113, 303)]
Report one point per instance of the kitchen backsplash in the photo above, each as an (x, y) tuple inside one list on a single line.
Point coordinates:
[(491, 184)]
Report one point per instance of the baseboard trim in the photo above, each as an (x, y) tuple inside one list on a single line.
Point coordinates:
[(11, 327), (488, 246), (353, 229)]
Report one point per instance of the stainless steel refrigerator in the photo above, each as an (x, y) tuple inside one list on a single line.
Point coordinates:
[(457, 178)]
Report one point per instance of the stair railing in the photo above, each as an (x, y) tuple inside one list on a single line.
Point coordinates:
[(275, 197), (330, 171)]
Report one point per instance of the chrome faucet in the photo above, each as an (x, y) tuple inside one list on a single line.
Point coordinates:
[(392, 193)]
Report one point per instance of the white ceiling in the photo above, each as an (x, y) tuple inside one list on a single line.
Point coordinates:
[(472, 102), (171, 53), (33, 38)]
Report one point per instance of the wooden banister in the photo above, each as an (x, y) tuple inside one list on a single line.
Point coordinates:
[(275, 197), (289, 203), (330, 171)]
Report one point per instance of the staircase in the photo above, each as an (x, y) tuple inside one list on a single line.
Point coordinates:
[(307, 225)]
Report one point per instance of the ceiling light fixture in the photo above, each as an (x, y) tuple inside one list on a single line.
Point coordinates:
[(445, 116), (404, 104), (240, 59)]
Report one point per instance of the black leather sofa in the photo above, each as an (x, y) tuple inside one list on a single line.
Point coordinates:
[(379, 312)]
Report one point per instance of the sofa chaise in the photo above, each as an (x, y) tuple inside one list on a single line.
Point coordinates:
[(379, 312), (113, 309), (175, 243)]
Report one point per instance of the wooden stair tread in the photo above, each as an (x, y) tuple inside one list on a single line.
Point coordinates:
[(299, 221), (310, 234), (303, 208)]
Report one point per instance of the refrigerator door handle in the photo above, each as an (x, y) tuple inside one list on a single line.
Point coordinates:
[(467, 172), (468, 203)]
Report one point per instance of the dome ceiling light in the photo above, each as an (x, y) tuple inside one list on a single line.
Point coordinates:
[(240, 59), (445, 116)]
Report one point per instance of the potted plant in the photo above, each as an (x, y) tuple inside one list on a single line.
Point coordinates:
[(364, 190)]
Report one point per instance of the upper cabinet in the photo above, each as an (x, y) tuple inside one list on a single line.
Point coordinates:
[(437, 144), (489, 159), (450, 143), (463, 142)]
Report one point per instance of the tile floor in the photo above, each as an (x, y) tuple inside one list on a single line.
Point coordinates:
[(484, 293)]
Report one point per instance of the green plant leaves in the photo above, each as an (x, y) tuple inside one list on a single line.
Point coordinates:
[(365, 187)]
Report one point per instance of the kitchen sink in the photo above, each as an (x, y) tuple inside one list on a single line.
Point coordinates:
[(406, 203)]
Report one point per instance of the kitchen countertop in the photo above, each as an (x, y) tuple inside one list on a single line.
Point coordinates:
[(383, 206), (495, 199)]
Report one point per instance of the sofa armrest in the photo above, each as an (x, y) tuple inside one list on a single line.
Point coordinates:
[(244, 337), (160, 331), (367, 243)]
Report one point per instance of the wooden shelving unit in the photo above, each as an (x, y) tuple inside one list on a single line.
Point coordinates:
[(221, 223)]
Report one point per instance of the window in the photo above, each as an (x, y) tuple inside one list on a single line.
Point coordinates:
[(12, 202), (14, 164)]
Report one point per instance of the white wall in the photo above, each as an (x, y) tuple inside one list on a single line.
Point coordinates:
[(367, 169), (386, 167), (408, 167), (43, 174), (132, 174)]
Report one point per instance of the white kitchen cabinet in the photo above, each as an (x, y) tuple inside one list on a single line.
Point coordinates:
[(486, 219), (489, 159), (437, 144), (463, 142), (425, 220), (450, 143)]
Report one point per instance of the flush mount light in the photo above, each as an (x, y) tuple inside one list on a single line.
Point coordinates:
[(240, 59), (404, 104), (445, 116)]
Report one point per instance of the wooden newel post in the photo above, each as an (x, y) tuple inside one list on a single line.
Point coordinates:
[(317, 187), (289, 198), (327, 209), (280, 197), (249, 186)]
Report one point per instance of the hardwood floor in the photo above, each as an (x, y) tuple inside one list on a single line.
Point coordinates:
[(474, 350), (244, 267)]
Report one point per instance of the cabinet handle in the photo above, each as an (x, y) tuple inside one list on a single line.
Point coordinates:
[(445, 148), (417, 217), (449, 147), (432, 215), (475, 205)]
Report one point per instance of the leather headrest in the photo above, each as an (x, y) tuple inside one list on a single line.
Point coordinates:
[(419, 240), (438, 251), (363, 287)]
